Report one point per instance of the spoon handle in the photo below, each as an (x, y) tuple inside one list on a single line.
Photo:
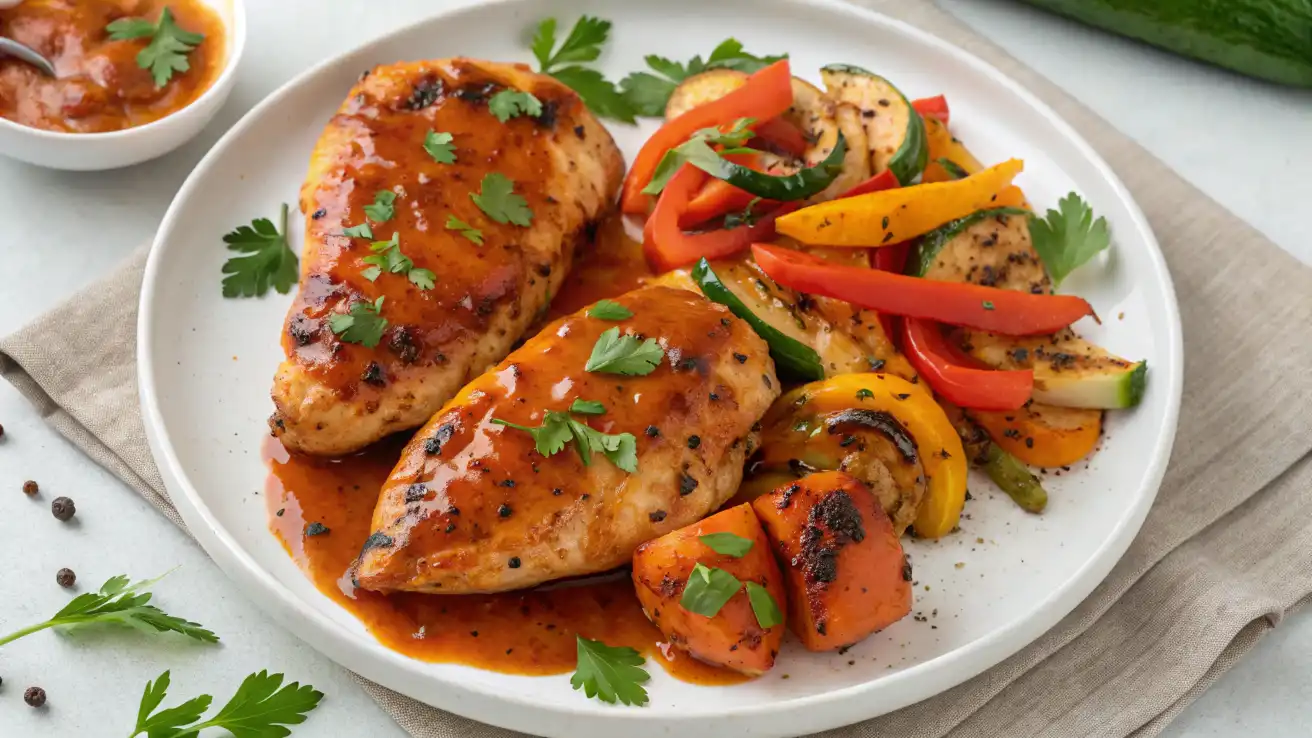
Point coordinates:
[(10, 47)]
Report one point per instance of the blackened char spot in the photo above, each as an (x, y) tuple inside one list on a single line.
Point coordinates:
[(377, 540), (373, 374), (416, 492), (302, 329), (403, 345), (426, 92), (547, 119), (476, 93), (838, 513)]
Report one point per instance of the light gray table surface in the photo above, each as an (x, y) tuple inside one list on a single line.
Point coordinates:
[(1245, 143)]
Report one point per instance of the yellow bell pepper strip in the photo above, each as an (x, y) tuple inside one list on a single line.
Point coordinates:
[(913, 406), (892, 216), (943, 146)]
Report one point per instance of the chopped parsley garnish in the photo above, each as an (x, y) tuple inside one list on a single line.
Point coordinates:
[(439, 146), (364, 324), (381, 210), (988, 304), (583, 45), (609, 310), (1068, 238), (864, 394), (262, 707), (763, 606), (708, 589), (745, 218), (497, 199), (616, 354), (473, 234), (728, 544), (648, 93), (122, 603), (361, 231), (587, 407), (609, 673), (698, 152), (387, 257), (509, 104), (270, 261), (168, 48), (559, 428)]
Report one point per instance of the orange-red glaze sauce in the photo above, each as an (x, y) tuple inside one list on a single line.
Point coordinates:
[(526, 632), (100, 86)]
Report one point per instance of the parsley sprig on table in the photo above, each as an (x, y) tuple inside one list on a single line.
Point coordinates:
[(558, 429), (616, 354), (364, 324), (496, 198), (120, 602), (269, 259), (168, 48), (260, 709), (648, 93), (582, 45), (1068, 238), (609, 673)]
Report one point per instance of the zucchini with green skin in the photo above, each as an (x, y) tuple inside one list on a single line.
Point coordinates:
[(792, 357), (993, 248), (895, 132), (799, 185), (1268, 39)]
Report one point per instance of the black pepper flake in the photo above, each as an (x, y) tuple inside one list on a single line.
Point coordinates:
[(1029, 443), (450, 527), (688, 364), (820, 627), (558, 492), (378, 540), (316, 529), (1020, 354), (513, 564), (584, 496), (740, 358), (1011, 433), (847, 441), (504, 511), (884, 223), (453, 511), (281, 510), (694, 441), (766, 379), (426, 92), (686, 485), (656, 516), (714, 397), (319, 214), (875, 364), (508, 483), (943, 454), (902, 395), (906, 570), (579, 131)]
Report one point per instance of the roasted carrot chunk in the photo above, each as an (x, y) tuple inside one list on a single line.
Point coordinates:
[(844, 568), (714, 590)]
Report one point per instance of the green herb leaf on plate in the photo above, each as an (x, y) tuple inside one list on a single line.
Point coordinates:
[(616, 354), (509, 104), (440, 147), (364, 324), (269, 260), (764, 607), (1069, 238), (496, 198), (728, 544), (381, 210), (609, 310), (708, 589)]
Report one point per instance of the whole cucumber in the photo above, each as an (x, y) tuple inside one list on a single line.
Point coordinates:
[(1268, 39)]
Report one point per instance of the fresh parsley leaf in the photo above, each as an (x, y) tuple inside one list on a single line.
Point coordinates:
[(609, 310), (728, 544), (648, 93), (508, 104), (737, 135), (119, 602), (708, 589), (382, 208), (559, 428), (747, 217), (698, 152), (610, 673), (439, 146), (473, 234), (361, 231), (270, 261), (763, 606), (587, 407), (364, 324), (168, 48), (864, 394), (260, 709), (424, 279), (387, 257), (616, 354), (581, 46), (1068, 239), (598, 93), (497, 199)]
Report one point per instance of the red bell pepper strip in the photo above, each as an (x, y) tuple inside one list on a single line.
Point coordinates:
[(1008, 312), (782, 136), (959, 381), (933, 107), (891, 259), (667, 247), (718, 197), (766, 94), (885, 180)]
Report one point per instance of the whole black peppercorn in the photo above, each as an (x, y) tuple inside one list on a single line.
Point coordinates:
[(35, 696), (66, 578), (62, 508), (694, 441), (30, 487)]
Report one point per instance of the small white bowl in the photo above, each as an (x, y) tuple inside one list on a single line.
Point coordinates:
[(86, 152)]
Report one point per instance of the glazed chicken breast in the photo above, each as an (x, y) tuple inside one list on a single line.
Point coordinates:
[(420, 168), (478, 506)]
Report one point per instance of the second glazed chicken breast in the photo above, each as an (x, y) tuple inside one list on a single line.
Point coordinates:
[(444, 190), (478, 506)]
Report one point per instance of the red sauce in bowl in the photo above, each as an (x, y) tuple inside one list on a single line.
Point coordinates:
[(100, 85)]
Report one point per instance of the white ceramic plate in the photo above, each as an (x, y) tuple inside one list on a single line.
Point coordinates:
[(206, 365)]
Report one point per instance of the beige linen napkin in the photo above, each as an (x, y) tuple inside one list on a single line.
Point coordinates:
[(1224, 554)]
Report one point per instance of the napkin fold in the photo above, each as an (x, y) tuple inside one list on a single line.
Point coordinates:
[(1224, 554)]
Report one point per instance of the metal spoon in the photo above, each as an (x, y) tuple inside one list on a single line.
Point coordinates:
[(10, 47)]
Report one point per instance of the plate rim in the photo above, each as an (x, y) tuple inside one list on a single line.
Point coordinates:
[(839, 707)]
